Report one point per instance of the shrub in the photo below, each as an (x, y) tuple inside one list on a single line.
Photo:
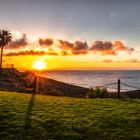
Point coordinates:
[(97, 92)]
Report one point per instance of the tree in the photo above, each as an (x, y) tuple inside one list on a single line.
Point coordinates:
[(5, 38)]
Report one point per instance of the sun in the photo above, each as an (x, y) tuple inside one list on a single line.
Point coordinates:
[(39, 65)]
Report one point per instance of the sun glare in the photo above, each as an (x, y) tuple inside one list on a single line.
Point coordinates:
[(40, 65)]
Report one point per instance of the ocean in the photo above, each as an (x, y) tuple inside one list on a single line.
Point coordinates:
[(93, 78)]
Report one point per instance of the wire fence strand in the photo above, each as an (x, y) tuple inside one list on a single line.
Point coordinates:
[(111, 84), (130, 86)]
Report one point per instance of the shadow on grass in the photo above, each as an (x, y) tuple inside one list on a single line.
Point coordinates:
[(28, 116)]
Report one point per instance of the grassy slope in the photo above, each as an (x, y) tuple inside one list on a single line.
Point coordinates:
[(43, 117)]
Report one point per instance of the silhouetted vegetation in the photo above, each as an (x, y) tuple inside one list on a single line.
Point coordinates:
[(98, 92), (5, 38)]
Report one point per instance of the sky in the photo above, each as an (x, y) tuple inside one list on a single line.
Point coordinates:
[(75, 34)]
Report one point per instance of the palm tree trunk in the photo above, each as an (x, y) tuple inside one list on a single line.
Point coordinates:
[(1, 60)]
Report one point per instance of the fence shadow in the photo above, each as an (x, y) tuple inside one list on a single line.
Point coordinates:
[(27, 126)]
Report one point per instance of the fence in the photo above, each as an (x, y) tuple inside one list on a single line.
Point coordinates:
[(109, 85), (115, 87)]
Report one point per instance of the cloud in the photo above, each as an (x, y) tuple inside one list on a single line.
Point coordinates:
[(119, 46), (64, 47), (110, 48), (30, 52), (107, 61), (133, 61), (76, 48), (105, 48), (80, 47), (18, 43), (45, 42)]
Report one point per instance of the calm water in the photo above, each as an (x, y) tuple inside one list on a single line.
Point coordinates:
[(96, 78)]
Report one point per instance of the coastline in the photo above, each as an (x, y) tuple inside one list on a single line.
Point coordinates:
[(13, 80)]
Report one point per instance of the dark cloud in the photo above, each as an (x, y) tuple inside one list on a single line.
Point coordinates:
[(80, 47), (18, 43), (107, 61), (65, 45), (30, 52), (45, 42), (103, 47), (77, 47), (110, 48)]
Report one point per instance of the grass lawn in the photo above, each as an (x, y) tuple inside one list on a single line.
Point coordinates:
[(23, 116)]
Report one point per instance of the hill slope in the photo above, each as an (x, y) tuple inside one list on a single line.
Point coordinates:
[(13, 80), (23, 116)]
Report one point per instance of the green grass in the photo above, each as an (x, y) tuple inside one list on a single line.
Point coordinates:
[(23, 116)]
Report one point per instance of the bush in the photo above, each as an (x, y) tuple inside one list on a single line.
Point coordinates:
[(98, 92)]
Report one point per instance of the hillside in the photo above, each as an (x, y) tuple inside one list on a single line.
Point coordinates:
[(24, 116), (13, 80)]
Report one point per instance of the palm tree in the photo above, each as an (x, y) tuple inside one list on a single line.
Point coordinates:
[(5, 38)]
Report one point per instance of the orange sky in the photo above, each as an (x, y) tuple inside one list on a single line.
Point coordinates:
[(24, 51), (73, 62)]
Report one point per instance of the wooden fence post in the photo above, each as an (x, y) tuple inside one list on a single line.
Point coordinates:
[(118, 94), (34, 85)]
